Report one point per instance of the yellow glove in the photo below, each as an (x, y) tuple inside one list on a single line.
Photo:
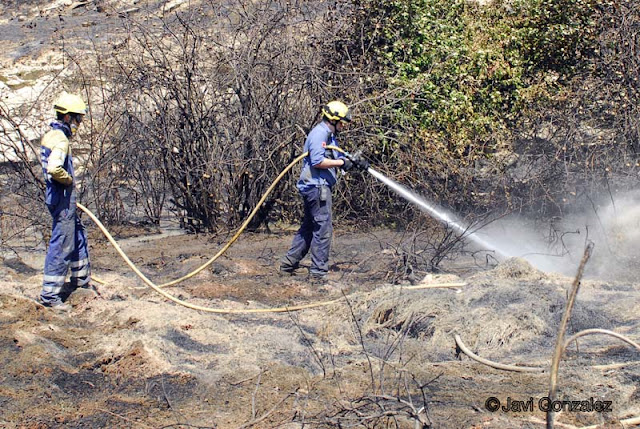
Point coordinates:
[(55, 170)]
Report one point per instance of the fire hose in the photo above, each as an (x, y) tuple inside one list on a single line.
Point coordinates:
[(158, 287), (458, 340)]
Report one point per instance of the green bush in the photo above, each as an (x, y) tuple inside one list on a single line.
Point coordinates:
[(455, 87)]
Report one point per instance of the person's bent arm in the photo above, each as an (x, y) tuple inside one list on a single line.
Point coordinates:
[(55, 163), (330, 163)]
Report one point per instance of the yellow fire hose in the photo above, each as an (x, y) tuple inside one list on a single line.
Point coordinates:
[(158, 288)]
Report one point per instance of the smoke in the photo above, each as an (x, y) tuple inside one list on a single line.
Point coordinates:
[(612, 224)]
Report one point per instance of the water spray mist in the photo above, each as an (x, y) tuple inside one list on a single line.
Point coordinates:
[(438, 213)]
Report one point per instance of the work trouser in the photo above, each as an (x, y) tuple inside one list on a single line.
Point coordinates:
[(67, 249), (314, 234)]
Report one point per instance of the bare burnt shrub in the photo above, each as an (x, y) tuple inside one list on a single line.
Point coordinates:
[(392, 396), (422, 250), (215, 103), (20, 156), (21, 206)]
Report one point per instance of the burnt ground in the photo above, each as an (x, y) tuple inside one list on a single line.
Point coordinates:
[(384, 355), (127, 357)]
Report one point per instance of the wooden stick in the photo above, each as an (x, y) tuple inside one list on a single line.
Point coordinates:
[(559, 348)]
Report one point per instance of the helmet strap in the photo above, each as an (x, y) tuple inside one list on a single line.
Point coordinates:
[(333, 123)]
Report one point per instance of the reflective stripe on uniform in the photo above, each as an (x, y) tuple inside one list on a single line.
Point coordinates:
[(80, 263), (82, 282), (51, 289), (80, 273), (54, 279)]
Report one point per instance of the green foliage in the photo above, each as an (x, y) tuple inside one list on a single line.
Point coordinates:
[(556, 35), (458, 84), (461, 95), (467, 69)]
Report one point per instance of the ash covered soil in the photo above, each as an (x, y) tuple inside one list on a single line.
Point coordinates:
[(127, 357), (383, 355)]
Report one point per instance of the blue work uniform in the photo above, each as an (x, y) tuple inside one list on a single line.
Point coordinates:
[(68, 245), (315, 186)]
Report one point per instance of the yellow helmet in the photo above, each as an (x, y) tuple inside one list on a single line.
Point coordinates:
[(70, 103), (336, 111)]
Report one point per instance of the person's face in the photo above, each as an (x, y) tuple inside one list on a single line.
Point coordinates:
[(340, 125), (75, 119)]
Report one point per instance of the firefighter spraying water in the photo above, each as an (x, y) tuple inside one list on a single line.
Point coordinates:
[(317, 178)]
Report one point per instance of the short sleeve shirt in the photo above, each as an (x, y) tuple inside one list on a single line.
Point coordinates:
[(316, 144)]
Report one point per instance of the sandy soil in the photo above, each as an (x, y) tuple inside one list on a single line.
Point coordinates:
[(127, 357)]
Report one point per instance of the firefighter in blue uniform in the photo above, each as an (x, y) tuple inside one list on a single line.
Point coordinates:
[(68, 244), (317, 178)]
